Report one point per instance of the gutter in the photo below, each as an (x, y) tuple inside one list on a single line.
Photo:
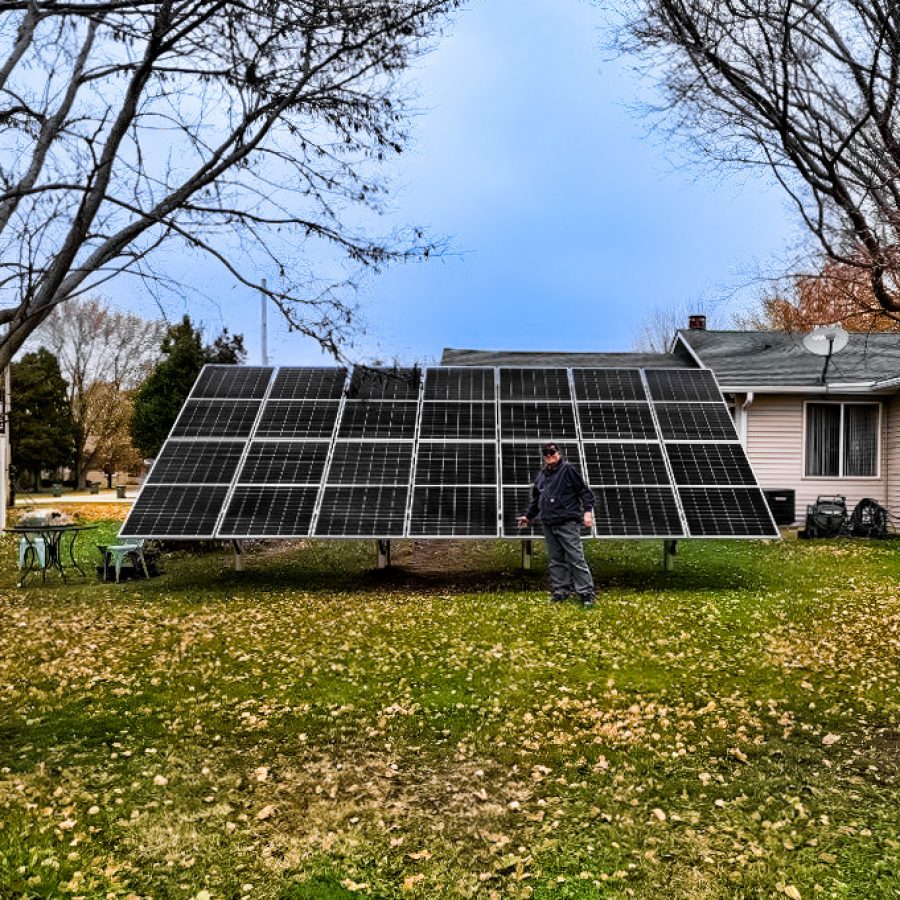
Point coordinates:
[(857, 387)]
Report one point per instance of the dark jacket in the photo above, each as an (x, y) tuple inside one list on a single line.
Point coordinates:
[(559, 495)]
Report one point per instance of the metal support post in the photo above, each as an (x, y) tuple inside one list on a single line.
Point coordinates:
[(384, 553), (670, 548), (526, 554), (238, 556)]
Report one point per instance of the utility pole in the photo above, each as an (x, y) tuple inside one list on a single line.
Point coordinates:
[(264, 326)]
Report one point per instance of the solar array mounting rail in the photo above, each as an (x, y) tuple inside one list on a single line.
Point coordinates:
[(446, 452)]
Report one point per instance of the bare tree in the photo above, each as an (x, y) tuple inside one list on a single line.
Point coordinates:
[(103, 353), (805, 88), (657, 329), (247, 131)]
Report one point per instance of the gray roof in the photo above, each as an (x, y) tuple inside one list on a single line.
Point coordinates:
[(779, 359), (563, 359)]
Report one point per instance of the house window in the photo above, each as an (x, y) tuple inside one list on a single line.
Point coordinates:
[(842, 440)]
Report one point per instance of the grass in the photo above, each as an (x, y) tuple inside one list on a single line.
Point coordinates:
[(314, 728)]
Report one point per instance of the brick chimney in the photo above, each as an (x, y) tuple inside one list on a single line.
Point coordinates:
[(697, 323)]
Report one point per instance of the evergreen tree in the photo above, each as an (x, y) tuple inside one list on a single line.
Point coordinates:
[(42, 431), (161, 396)]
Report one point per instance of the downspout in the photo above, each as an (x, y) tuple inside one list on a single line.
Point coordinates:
[(742, 418)]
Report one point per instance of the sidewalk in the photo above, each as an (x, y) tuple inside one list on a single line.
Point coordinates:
[(107, 496)]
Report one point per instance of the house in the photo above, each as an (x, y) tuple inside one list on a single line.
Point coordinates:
[(813, 428), (807, 428)]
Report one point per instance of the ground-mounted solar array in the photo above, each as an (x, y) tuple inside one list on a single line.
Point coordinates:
[(446, 452)]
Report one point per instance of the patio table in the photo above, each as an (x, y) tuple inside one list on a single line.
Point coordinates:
[(58, 543)]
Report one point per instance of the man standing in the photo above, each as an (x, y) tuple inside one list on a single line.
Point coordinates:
[(563, 501)]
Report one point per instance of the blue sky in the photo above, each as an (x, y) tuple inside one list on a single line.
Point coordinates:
[(568, 223)]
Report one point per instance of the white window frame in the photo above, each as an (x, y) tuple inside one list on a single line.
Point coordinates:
[(878, 442)]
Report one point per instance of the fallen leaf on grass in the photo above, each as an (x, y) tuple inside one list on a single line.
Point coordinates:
[(354, 886), (420, 854), (265, 813), (830, 739), (411, 881)]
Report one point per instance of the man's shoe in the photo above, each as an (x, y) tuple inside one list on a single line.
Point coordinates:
[(588, 602)]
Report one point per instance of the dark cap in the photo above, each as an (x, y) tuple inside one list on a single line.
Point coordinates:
[(549, 448)]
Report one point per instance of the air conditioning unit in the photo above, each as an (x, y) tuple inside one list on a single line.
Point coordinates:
[(783, 504)]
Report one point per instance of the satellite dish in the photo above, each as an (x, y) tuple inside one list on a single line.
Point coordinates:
[(825, 340)]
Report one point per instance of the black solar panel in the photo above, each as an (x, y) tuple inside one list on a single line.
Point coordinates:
[(170, 511), (727, 512), (457, 463), (384, 384), (458, 420), (534, 384), (308, 384), (369, 462), (515, 504), (362, 512), (521, 460), (454, 511), (625, 464), (269, 512), (216, 418), (687, 385), (537, 421), (625, 421), (608, 384), (695, 421), (197, 462), (704, 464), (636, 512), (459, 384), (362, 419), (284, 462), (233, 382), (298, 419)]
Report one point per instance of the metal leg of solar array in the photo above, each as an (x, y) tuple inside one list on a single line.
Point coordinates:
[(238, 556), (384, 553), (526, 554), (670, 548)]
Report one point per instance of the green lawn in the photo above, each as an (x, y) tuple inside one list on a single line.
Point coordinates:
[(313, 728)]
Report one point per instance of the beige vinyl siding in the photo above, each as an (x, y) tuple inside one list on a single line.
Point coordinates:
[(775, 449), (892, 455)]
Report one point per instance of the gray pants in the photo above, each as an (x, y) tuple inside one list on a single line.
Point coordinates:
[(568, 569)]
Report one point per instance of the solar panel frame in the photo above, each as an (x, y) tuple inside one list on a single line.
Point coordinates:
[(537, 420), (370, 463), (696, 463), (378, 383), (378, 420), (348, 512), (620, 464), (621, 384), (268, 511), (706, 422), (445, 463), (308, 419), (315, 383), (170, 506), (296, 460), (683, 386), (197, 461), (430, 516), (458, 420), (613, 504), (616, 421), (460, 383), (534, 383)]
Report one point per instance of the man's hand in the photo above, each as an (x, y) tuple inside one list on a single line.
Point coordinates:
[(588, 518), (522, 522)]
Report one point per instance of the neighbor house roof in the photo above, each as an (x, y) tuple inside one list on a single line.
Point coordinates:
[(454, 357), (777, 359)]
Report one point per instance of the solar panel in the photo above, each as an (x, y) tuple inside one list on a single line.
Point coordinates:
[(625, 422), (608, 384), (292, 451), (170, 511), (691, 385), (309, 384), (197, 462), (537, 421), (454, 511), (284, 462), (636, 512), (232, 382), (459, 384), (700, 464), (298, 419), (695, 421), (384, 384), (255, 511), (362, 419), (456, 463), (727, 512), (534, 384), (373, 511), (216, 418), (625, 464), (367, 462), (451, 419), (521, 460)]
